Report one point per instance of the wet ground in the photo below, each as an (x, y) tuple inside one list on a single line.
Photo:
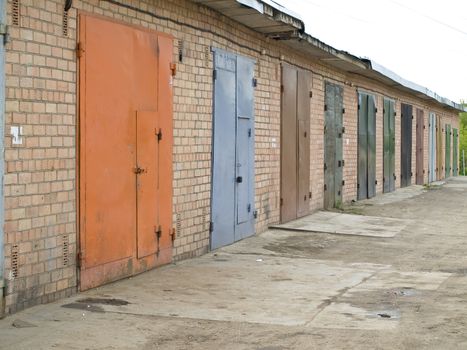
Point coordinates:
[(368, 283)]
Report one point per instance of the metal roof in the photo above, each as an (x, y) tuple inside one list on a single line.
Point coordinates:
[(277, 22)]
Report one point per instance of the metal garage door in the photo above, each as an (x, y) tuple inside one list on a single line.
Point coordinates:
[(366, 183), (125, 150), (432, 148), (439, 149), (295, 143), (232, 201), (455, 160), (389, 146), (333, 153), (420, 128), (406, 145), (447, 157)]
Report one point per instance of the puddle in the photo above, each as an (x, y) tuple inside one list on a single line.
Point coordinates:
[(92, 304)]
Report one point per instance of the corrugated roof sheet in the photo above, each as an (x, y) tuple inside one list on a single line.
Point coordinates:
[(276, 21)]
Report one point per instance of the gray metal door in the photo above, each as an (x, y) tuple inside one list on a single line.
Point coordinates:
[(406, 145), (366, 177), (333, 153), (389, 138), (2, 121), (455, 161), (432, 148), (447, 156), (232, 198), (295, 143), (420, 152)]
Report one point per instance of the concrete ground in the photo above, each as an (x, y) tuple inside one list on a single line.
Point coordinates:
[(372, 284)]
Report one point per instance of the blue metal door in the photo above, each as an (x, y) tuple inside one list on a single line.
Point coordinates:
[(232, 200)]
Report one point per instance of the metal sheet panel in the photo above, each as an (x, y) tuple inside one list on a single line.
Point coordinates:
[(329, 145), (245, 149), (223, 159), (2, 146), (362, 176), (420, 172), (288, 144), (406, 144), (371, 146), (455, 160), (392, 147), (447, 158), (303, 135), (432, 148), (117, 230), (386, 146), (439, 149), (339, 159)]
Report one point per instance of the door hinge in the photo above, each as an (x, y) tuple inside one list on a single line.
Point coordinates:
[(343, 110), (158, 231), (255, 214), (325, 108), (173, 69), (376, 110), (214, 74), (249, 132), (255, 82), (311, 94), (173, 234), (282, 88), (343, 182), (325, 167), (281, 201), (211, 226), (4, 30), (79, 259), (358, 107), (248, 208), (79, 49), (325, 187), (376, 182), (343, 130), (309, 195), (158, 133)]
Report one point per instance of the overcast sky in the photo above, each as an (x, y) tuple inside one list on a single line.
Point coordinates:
[(424, 41)]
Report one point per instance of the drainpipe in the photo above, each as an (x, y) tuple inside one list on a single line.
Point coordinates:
[(3, 40)]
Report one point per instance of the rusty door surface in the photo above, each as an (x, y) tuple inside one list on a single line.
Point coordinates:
[(333, 153), (232, 198), (366, 183), (455, 160), (389, 146), (447, 165), (406, 145), (295, 143), (439, 149), (420, 126), (432, 148), (125, 169)]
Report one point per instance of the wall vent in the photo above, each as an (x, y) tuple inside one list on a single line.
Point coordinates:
[(15, 12), (65, 23), (14, 260), (65, 250)]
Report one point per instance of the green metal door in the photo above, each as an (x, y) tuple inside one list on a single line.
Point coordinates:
[(389, 146), (366, 177), (455, 161), (447, 157), (333, 134)]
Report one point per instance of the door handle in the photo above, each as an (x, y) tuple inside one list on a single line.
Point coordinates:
[(239, 179)]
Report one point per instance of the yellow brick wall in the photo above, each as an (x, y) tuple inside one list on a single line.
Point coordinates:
[(41, 97)]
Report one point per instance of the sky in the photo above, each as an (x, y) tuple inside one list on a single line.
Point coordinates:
[(424, 41)]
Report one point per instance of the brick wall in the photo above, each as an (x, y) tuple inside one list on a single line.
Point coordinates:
[(41, 91)]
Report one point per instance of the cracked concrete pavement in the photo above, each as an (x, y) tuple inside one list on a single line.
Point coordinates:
[(401, 285)]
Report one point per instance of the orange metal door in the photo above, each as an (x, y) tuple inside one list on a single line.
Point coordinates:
[(125, 86)]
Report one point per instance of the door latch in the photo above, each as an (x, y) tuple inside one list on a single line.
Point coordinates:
[(139, 170), (239, 179)]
